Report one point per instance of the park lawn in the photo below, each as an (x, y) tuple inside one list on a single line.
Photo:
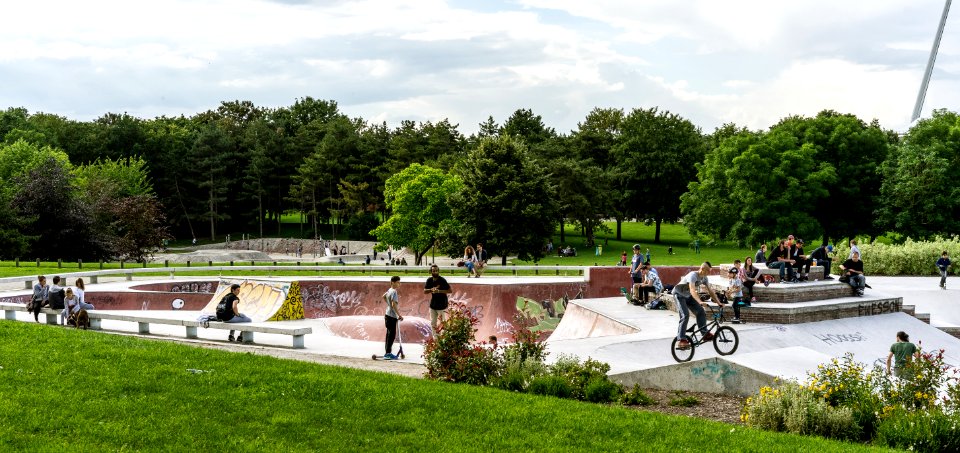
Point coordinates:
[(671, 235), (63, 389)]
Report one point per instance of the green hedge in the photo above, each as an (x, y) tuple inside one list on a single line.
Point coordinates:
[(909, 258)]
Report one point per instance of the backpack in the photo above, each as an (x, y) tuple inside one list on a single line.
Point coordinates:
[(225, 308)]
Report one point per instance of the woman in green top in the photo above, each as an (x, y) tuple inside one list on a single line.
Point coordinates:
[(901, 352)]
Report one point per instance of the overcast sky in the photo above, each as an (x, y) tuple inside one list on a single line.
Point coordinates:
[(712, 62)]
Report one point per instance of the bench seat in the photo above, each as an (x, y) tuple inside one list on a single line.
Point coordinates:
[(143, 322)]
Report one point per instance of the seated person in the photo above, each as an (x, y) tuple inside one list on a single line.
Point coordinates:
[(750, 276), (822, 256), (853, 270), (735, 293), (651, 283), (800, 261), (72, 305), (780, 259)]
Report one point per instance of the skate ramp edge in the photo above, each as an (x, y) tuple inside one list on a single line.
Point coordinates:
[(581, 322), (263, 300), (737, 375)]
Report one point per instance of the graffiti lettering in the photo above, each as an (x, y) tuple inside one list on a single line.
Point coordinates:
[(329, 302), (194, 287), (16, 299), (502, 326), (878, 308), (835, 338), (362, 331)]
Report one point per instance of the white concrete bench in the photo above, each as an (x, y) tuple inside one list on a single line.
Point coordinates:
[(143, 323)]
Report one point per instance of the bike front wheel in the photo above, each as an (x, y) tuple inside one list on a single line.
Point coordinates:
[(726, 340), (681, 355)]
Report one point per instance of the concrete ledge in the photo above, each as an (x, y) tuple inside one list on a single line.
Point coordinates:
[(713, 375)]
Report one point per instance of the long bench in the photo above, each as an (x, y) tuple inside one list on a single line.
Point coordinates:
[(143, 323)]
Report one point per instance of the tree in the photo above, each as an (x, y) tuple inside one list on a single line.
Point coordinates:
[(138, 227), (920, 197), (523, 124), (418, 201), (506, 201), (595, 139), (655, 159)]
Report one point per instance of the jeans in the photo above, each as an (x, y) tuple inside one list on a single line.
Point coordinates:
[(782, 265), (943, 277), (827, 263), (239, 318), (684, 305), (391, 323), (858, 282)]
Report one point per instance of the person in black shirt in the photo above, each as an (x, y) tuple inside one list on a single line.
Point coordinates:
[(780, 259), (853, 269), (438, 288), (822, 255), (800, 261)]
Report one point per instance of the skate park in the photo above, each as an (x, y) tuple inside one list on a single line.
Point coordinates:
[(792, 330)]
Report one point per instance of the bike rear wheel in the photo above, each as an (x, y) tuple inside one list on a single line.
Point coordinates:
[(726, 340), (681, 355)]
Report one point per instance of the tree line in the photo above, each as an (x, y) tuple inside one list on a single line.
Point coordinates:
[(118, 185)]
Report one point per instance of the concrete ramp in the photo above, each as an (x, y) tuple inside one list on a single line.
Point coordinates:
[(262, 300), (713, 375), (580, 321)]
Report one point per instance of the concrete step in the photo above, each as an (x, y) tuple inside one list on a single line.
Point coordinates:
[(925, 317), (951, 330)]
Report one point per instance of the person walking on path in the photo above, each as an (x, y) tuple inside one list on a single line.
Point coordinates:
[(392, 316), (901, 352), (944, 265), (228, 310), (438, 288)]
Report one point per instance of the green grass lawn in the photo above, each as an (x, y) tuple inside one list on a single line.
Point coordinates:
[(671, 235), (68, 390)]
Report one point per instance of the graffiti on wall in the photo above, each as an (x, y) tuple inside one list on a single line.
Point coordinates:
[(193, 287), (292, 307), (331, 302), (546, 313), (260, 300)]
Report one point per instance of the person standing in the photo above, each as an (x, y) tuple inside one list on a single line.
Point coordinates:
[(40, 296), (635, 275), (901, 353), (438, 288), (392, 316), (646, 257), (853, 270), (944, 265), (623, 258), (228, 310)]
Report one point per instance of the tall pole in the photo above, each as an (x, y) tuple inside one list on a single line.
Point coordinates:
[(930, 62)]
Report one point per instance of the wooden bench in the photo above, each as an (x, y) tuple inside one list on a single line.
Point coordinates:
[(143, 323)]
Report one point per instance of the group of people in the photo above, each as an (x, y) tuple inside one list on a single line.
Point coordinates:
[(436, 286), (69, 300), (475, 260), (646, 279), (794, 265)]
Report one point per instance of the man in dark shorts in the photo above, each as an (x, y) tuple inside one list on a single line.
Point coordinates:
[(438, 288)]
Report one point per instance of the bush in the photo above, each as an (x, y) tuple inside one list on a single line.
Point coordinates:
[(931, 431), (602, 390), (526, 345), (909, 258), (550, 385), (843, 383), (636, 397), (923, 378), (579, 375), (683, 401), (449, 356), (517, 375), (798, 409)]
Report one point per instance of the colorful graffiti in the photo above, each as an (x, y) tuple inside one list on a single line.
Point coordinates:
[(260, 300), (292, 307), (547, 313)]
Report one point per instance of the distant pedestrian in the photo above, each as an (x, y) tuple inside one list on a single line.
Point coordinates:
[(438, 288), (944, 265), (854, 249), (194, 241), (901, 353), (670, 250), (696, 246), (646, 257), (623, 258)]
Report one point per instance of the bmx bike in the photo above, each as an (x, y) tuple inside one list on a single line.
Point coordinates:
[(725, 339)]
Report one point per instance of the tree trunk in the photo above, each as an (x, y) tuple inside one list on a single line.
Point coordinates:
[(213, 231), (619, 228), (656, 237), (563, 236), (503, 259)]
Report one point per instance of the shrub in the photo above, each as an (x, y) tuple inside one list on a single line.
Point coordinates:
[(450, 357), (602, 390), (798, 409), (526, 345), (517, 375), (683, 401), (931, 430), (909, 258), (636, 397), (923, 378), (550, 385), (577, 374), (843, 383)]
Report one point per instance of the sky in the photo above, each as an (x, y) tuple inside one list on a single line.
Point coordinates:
[(747, 62)]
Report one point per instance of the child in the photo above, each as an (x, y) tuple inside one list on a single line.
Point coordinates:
[(735, 293), (623, 258), (944, 265), (390, 318)]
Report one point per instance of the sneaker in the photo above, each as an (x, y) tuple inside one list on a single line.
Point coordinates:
[(736, 321), (708, 337), (389, 356), (683, 345), (230, 338), (828, 278), (240, 338)]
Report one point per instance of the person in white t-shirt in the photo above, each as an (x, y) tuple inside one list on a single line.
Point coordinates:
[(392, 315)]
